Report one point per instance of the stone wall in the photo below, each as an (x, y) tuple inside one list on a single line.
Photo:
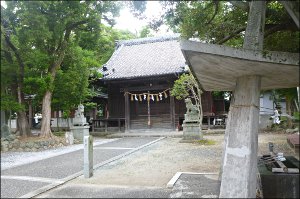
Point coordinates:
[(13, 143)]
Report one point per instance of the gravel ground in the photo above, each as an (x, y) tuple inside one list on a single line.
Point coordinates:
[(158, 163), (13, 159)]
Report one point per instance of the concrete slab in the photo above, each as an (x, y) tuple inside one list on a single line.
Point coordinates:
[(217, 67), (196, 186), (16, 188)]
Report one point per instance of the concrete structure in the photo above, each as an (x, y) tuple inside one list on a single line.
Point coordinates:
[(245, 72)]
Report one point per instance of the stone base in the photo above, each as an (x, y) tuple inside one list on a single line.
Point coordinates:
[(191, 131), (79, 121), (80, 131)]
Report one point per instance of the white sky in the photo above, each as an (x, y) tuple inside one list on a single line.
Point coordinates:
[(127, 21)]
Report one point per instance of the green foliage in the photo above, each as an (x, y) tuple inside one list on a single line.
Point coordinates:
[(145, 32), (89, 105), (180, 88), (297, 116), (106, 42), (71, 83), (222, 22), (188, 87), (9, 103), (45, 32)]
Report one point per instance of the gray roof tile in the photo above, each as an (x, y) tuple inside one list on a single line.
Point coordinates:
[(145, 57)]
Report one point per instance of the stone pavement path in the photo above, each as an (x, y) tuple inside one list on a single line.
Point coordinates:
[(30, 178)]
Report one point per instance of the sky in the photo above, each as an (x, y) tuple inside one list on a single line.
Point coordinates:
[(127, 21)]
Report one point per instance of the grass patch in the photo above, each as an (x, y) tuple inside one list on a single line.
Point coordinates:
[(59, 133), (206, 142)]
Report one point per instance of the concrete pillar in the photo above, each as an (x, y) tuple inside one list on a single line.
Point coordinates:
[(239, 165), (241, 140), (88, 156)]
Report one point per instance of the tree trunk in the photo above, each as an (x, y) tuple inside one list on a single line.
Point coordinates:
[(22, 124), (46, 115)]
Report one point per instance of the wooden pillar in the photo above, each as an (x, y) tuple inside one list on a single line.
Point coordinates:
[(30, 114), (127, 111), (172, 112), (239, 169)]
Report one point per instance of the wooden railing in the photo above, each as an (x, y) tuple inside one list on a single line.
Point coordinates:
[(104, 123)]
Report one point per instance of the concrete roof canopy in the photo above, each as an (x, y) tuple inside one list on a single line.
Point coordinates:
[(145, 57), (217, 67)]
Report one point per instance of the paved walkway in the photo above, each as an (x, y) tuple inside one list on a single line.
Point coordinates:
[(28, 179)]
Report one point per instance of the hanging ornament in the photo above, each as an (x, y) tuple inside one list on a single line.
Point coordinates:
[(131, 97), (145, 96), (160, 96), (166, 96), (152, 97), (148, 98), (140, 98), (157, 99), (136, 99)]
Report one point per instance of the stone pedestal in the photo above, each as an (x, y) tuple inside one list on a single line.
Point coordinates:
[(191, 131), (80, 131)]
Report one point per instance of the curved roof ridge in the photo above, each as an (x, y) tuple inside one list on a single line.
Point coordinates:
[(147, 40)]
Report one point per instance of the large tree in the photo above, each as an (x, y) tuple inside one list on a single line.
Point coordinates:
[(12, 72), (224, 22), (44, 30)]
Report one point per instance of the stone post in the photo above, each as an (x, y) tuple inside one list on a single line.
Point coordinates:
[(88, 156), (239, 169)]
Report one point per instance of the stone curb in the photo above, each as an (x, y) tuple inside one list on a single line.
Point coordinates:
[(75, 175)]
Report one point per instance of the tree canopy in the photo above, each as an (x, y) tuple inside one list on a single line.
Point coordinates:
[(224, 22), (52, 43)]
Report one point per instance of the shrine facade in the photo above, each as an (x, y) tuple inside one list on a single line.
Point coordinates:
[(139, 77)]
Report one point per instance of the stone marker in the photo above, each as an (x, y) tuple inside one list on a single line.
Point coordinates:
[(88, 156)]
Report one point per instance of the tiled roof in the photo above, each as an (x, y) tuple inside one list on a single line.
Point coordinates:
[(143, 57)]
